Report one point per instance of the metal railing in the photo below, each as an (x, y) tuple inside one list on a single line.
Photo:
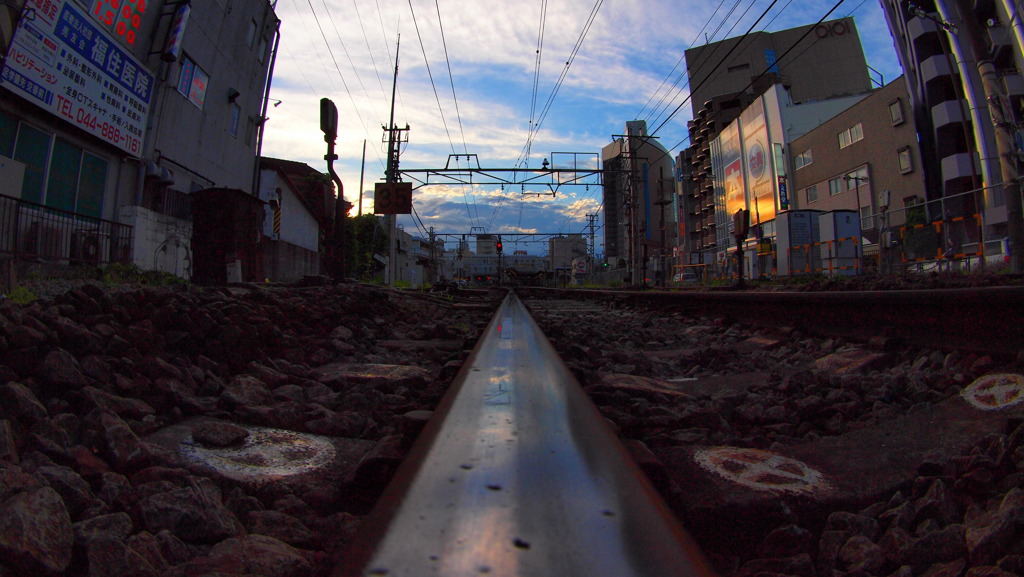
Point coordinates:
[(31, 231), (952, 232)]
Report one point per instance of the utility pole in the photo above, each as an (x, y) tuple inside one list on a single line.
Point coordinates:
[(433, 275), (394, 138), (591, 221), (631, 208), (1006, 129), (661, 202), (362, 173)]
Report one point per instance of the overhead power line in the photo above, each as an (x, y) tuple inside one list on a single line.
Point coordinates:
[(430, 75), (558, 84)]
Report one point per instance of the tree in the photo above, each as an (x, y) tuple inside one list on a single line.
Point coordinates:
[(365, 237)]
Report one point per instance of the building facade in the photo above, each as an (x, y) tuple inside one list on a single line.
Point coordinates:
[(807, 74), (121, 111), (295, 198), (814, 62), (639, 204), (866, 159), (943, 45)]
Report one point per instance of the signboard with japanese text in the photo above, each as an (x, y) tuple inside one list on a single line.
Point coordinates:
[(61, 61), (122, 19)]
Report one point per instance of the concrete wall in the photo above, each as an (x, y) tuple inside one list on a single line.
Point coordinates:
[(161, 243), (285, 262)]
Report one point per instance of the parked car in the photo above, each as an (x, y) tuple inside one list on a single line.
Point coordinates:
[(685, 277)]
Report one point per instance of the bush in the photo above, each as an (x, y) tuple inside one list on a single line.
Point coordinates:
[(116, 274), (22, 295)]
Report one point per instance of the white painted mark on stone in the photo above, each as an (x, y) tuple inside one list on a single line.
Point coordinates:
[(995, 391), (266, 455), (762, 470)]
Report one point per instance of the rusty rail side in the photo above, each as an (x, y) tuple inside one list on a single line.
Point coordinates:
[(518, 474)]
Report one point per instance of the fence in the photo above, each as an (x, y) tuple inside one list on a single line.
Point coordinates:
[(945, 231), (949, 232), (32, 231)]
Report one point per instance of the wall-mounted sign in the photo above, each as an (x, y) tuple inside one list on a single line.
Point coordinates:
[(392, 198), (193, 82), (64, 63), (120, 18)]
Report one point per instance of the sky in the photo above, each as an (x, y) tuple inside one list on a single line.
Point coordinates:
[(510, 81)]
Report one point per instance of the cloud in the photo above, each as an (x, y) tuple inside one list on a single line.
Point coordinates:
[(625, 69)]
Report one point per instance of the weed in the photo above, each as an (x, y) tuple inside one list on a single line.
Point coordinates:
[(117, 274), (22, 295)]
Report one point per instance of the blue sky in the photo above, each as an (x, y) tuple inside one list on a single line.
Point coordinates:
[(472, 89)]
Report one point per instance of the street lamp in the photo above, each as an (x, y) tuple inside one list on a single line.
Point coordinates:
[(860, 222), (859, 180)]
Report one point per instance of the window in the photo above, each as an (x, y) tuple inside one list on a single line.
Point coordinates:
[(851, 135), (856, 178), (803, 159), (896, 112), (58, 173), (236, 115), (33, 149), (193, 82), (834, 187), (261, 52), (250, 36), (904, 160), (8, 132), (865, 216), (62, 184), (812, 194)]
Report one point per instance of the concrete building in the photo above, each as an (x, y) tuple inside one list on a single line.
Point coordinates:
[(866, 159), (118, 117), (935, 42), (814, 62), (833, 172), (808, 74), (639, 207), (296, 199)]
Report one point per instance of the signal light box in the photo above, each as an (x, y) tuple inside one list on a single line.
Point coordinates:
[(392, 198)]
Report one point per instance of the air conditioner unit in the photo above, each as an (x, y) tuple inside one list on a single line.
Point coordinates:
[(87, 247)]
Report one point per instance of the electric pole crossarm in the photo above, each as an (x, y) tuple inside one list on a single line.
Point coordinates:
[(499, 176)]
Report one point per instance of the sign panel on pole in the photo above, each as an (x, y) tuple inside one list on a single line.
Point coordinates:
[(66, 64)]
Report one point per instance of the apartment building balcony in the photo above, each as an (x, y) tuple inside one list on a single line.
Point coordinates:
[(1014, 84), (937, 66), (949, 112), (959, 166), (918, 27)]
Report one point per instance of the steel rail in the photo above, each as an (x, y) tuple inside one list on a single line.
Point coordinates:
[(518, 474)]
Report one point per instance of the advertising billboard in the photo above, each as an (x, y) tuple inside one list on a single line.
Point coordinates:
[(757, 152), (65, 63), (729, 177)]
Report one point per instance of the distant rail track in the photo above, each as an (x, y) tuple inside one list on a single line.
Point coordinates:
[(985, 320)]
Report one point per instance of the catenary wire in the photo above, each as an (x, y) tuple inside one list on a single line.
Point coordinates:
[(430, 75)]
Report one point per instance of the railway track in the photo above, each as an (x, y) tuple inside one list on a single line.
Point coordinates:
[(518, 474), (984, 320)]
